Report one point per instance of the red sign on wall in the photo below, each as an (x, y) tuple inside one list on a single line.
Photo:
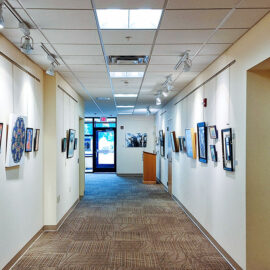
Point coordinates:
[(103, 119)]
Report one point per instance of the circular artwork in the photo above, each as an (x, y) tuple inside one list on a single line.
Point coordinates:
[(18, 140)]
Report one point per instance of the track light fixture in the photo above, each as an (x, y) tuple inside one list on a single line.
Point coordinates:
[(186, 61), (148, 110), (165, 92), (51, 69), (52, 59), (2, 22), (27, 44), (158, 100)]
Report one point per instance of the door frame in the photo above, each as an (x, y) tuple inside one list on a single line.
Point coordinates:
[(95, 169)]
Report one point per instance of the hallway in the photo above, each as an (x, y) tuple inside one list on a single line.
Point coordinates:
[(122, 224)]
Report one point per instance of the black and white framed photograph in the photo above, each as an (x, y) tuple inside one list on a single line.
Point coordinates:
[(213, 132), (227, 149), (161, 142), (202, 142), (213, 152), (136, 140)]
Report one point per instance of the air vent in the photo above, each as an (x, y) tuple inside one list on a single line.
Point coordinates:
[(128, 59)]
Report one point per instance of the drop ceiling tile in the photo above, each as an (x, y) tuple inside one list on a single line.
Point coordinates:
[(164, 60), (175, 49), (117, 83), (255, 4), (185, 19), (129, 4), (227, 35), (158, 68), (72, 36), (214, 49), (127, 49), (120, 36), (86, 74), (84, 60), (123, 68), (245, 18), (70, 49), (70, 19), (79, 68), (182, 36), (195, 4), (52, 4)]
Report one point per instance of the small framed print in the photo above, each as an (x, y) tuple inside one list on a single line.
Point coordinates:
[(36, 140), (213, 132), (190, 142), (180, 144), (64, 145), (29, 140), (174, 143), (213, 153), (75, 143), (202, 142), (227, 149), (70, 143), (161, 142), (1, 134)]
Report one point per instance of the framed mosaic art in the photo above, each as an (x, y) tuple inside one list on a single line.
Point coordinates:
[(191, 143), (1, 134), (70, 143), (227, 149), (202, 142), (29, 140), (36, 140), (16, 140)]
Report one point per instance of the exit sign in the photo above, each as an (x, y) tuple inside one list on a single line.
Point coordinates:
[(103, 119)]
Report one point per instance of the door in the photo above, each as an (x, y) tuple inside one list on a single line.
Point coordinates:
[(104, 150), (169, 156)]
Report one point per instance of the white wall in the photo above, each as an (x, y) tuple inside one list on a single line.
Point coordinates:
[(21, 188), (217, 198), (129, 160)]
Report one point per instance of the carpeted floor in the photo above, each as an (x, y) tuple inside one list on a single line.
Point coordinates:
[(122, 224)]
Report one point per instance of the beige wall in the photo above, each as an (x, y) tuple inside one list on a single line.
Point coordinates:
[(258, 170), (250, 50)]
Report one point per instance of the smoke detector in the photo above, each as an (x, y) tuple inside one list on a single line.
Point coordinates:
[(128, 59)]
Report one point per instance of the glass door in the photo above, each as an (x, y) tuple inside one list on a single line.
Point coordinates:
[(104, 150)]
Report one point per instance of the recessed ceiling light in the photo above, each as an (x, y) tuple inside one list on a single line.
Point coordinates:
[(125, 106), (125, 95), (129, 18), (126, 74)]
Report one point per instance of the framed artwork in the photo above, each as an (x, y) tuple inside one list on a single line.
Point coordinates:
[(213, 153), (16, 140), (136, 140), (227, 149), (29, 140), (64, 145), (75, 143), (202, 142), (1, 134), (180, 144), (36, 140), (175, 146), (162, 143), (184, 144), (191, 143), (213, 132), (70, 144)]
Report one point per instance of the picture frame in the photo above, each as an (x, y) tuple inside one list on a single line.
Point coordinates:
[(64, 145), (29, 140), (1, 134), (227, 149), (213, 152), (175, 146), (180, 144), (36, 140), (213, 133), (135, 140), (184, 144), (202, 142), (191, 143), (162, 143), (75, 143), (70, 143)]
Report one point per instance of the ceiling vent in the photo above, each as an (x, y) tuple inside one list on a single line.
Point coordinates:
[(128, 59)]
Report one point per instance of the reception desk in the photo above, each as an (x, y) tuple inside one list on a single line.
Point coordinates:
[(149, 168)]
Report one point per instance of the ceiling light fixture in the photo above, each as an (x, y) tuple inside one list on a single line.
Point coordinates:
[(186, 61), (51, 69), (52, 59), (125, 113), (27, 44), (158, 100), (165, 93), (125, 106), (148, 110), (125, 95), (129, 18), (126, 74), (2, 22)]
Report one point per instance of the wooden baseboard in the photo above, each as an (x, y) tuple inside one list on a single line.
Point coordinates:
[(129, 175), (12, 262), (149, 182), (223, 253), (21, 252), (61, 221)]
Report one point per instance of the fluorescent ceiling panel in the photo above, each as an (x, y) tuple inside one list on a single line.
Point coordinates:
[(125, 95), (123, 106), (129, 18), (126, 74)]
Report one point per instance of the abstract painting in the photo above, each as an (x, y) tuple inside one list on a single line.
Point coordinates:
[(1, 134), (213, 132), (36, 140), (202, 142), (227, 149), (213, 153), (191, 143), (29, 140), (175, 146), (71, 141), (16, 140), (136, 139)]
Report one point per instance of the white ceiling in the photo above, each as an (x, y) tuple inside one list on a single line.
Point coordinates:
[(71, 28)]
